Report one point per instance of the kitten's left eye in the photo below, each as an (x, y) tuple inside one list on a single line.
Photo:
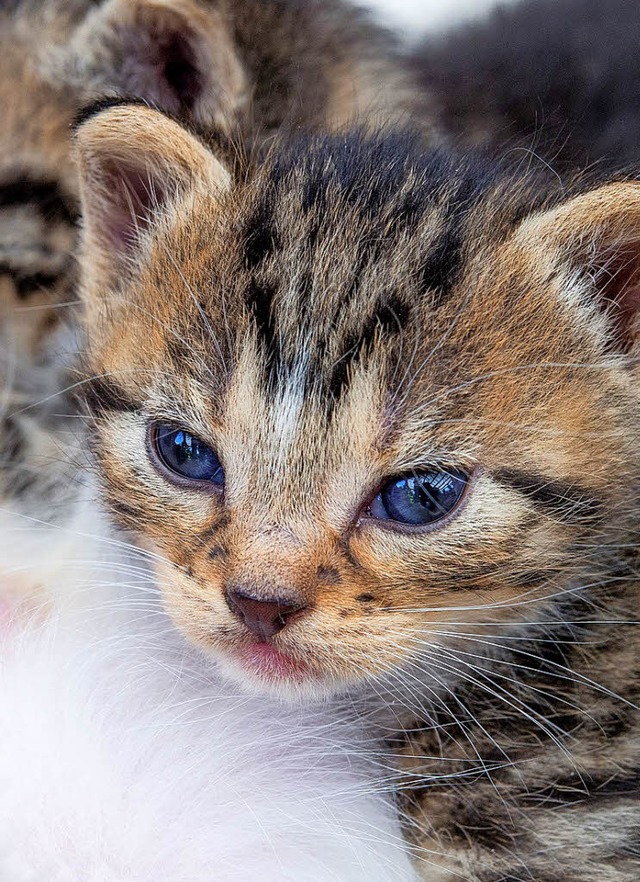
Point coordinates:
[(185, 455), (419, 499)]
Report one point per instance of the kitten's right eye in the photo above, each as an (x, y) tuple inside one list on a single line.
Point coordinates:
[(185, 455)]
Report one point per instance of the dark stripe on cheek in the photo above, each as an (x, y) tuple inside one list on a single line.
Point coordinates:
[(345, 548), (125, 512), (569, 503), (102, 394)]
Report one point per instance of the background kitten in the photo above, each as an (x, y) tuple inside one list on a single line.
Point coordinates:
[(378, 408), (557, 79)]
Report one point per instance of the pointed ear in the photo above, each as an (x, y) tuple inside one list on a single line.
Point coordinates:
[(135, 163), (175, 54), (597, 234)]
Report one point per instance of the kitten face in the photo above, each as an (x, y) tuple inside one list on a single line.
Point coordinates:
[(350, 325)]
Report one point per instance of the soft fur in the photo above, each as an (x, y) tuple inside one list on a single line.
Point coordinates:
[(246, 68), (125, 758), (550, 80)]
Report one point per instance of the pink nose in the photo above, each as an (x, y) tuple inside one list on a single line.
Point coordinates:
[(264, 618)]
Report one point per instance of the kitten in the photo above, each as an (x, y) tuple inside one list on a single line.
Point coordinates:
[(555, 79), (123, 757), (377, 409), (150, 791)]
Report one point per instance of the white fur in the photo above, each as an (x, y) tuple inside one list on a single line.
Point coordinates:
[(124, 759)]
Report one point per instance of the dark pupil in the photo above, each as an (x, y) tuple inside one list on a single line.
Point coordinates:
[(186, 455), (422, 499)]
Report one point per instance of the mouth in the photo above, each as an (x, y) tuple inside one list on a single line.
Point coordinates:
[(268, 663)]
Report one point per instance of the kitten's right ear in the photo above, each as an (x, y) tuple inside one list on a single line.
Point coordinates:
[(135, 163)]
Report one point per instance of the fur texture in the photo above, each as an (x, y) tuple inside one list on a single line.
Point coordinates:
[(355, 312), (554, 80), (124, 756), (246, 68)]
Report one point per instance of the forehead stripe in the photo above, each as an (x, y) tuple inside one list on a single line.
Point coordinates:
[(389, 317)]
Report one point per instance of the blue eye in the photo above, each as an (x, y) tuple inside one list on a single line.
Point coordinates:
[(419, 499), (185, 455)]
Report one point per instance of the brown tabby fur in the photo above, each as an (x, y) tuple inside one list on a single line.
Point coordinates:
[(241, 66), (354, 310)]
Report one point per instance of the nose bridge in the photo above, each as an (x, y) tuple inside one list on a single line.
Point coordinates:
[(278, 545), (271, 584), (274, 562)]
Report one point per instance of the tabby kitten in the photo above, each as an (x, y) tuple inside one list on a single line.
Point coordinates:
[(313, 63), (378, 410)]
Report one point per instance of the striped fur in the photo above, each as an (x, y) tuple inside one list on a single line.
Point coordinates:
[(314, 63)]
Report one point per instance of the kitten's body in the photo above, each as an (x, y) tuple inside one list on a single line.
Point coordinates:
[(349, 313)]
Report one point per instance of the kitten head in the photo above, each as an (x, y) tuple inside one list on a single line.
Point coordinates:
[(361, 402)]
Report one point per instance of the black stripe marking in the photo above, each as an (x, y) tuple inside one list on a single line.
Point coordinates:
[(29, 283), (389, 319), (329, 575), (46, 196), (519, 877), (13, 440), (441, 268), (260, 236), (346, 550), (125, 512), (100, 104), (572, 793), (102, 394), (567, 502), (473, 822), (260, 299)]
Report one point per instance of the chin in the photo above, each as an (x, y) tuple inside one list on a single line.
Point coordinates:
[(261, 669)]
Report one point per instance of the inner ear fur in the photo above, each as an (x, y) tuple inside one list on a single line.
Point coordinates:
[(177, 54), (134, 162), (598, 233)]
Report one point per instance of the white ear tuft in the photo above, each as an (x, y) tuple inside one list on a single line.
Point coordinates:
[(598, 232)]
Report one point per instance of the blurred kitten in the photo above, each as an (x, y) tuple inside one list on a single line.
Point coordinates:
[(558, 79)]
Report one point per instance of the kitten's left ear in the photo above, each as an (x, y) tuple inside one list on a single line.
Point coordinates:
[(598, 234), (135, 166), (179, 55)]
